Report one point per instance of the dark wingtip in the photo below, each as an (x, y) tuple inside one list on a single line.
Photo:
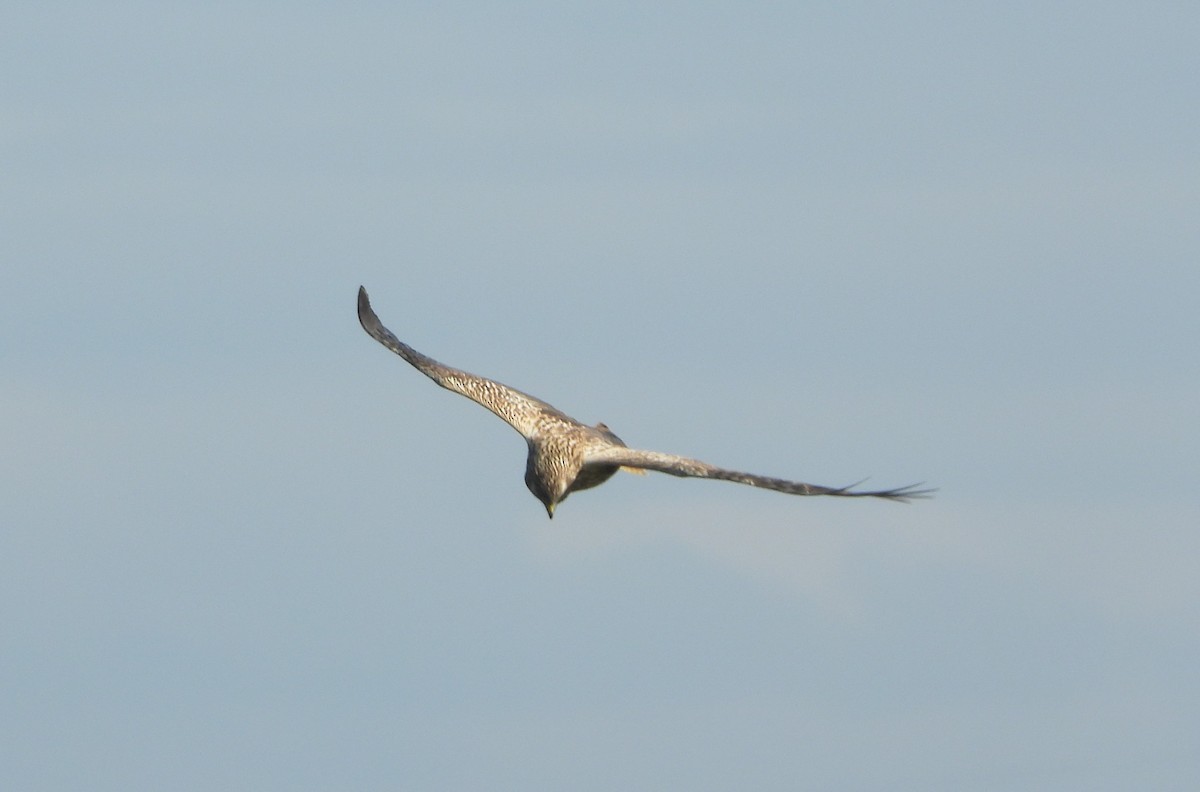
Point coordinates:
[(366, 316), (905, 494), (899, 494)]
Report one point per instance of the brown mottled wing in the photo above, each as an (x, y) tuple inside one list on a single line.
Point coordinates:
[(522, 411), (682, 466)]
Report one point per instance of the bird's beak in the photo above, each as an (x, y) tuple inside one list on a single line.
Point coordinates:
[(550, 510)]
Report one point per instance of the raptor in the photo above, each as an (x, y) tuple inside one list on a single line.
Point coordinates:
[(565, 455)]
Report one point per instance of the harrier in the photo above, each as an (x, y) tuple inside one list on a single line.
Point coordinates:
[(565, 455)]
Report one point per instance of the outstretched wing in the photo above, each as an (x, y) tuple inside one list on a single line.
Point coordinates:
[(523, 412), (683, 466)]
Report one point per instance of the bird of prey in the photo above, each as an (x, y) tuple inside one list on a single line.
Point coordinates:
[(565, 455)]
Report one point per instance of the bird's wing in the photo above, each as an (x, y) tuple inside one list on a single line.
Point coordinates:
[(683, 466), (522, 411)]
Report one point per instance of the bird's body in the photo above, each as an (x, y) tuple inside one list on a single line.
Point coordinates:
[(566, 455)]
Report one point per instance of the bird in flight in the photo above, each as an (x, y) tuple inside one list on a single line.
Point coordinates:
[(565, 455)]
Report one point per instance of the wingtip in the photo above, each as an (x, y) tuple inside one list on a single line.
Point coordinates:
[(911, 492), (899, 494), (366, 316)]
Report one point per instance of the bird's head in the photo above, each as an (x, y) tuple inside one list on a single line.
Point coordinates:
[(549, 485)]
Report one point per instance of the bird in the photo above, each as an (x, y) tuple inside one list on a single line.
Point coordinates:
[(567, 456)]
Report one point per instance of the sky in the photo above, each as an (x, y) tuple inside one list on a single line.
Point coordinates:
[(244, 547)]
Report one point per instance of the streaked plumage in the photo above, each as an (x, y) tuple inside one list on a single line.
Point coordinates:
[(566, 455)]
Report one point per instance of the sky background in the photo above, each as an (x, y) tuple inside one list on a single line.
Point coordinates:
[(243, 547)]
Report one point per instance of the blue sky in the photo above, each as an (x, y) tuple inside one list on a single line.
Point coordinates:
[(244, 547)]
